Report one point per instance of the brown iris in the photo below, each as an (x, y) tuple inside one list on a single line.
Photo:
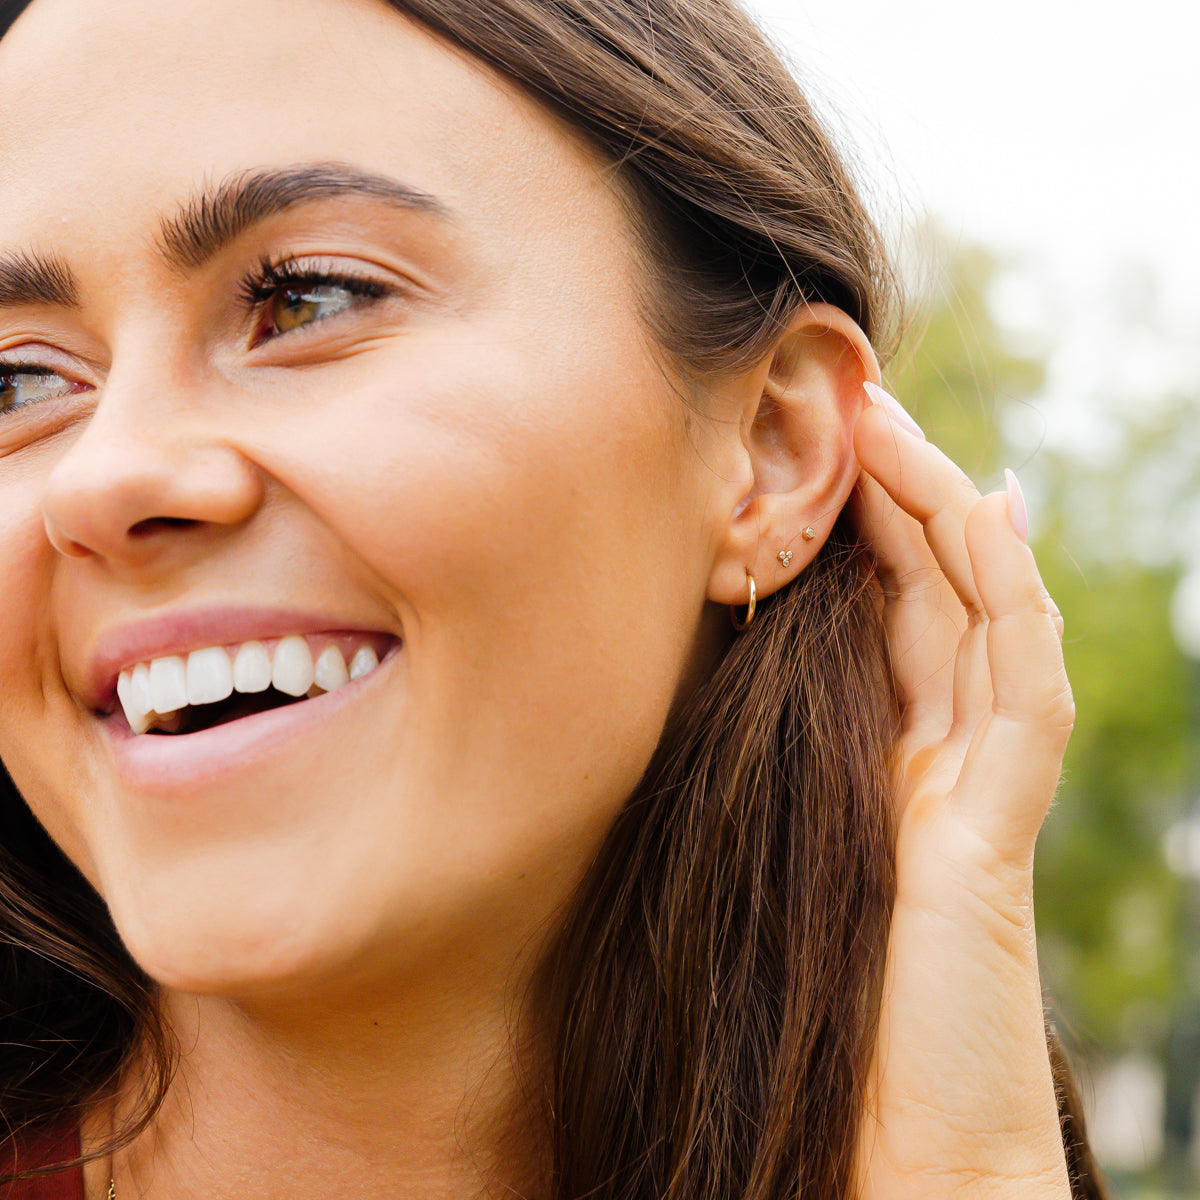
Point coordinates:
[(295, 305)]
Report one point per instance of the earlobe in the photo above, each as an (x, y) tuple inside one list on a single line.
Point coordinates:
[(797, 443)]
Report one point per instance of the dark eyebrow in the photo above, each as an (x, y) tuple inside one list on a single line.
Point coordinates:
[(32, 279), (213, 219)]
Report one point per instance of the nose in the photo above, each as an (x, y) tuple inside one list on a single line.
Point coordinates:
[(146, 475)]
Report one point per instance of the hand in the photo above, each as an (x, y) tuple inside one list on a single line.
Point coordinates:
[(960, 1101)]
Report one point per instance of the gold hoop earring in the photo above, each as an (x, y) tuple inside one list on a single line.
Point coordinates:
[(744, 623)]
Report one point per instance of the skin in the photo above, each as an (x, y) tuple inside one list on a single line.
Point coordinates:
[(492, 466)]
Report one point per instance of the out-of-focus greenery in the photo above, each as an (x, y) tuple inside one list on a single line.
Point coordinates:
[(1109, 535)]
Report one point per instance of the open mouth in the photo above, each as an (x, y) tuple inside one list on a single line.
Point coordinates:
[(197, 717), (187, 693)]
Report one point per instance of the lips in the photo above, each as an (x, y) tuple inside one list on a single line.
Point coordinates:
[(186, 672), (178, 693)]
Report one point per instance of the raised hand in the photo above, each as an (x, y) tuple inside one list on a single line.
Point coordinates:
[(960, 1101)]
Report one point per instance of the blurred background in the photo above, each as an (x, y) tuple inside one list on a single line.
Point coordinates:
[(1036, 168)]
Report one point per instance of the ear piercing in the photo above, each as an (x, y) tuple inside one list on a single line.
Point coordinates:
[(809, 534), (740, 623), (785, 557)]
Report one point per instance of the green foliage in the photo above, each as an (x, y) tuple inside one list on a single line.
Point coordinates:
[(1109, 907), (1111, 913), (956, 369)]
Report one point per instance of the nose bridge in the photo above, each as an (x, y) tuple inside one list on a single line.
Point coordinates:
[(150, 462)]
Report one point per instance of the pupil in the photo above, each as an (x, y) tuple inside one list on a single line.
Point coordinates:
[(297, 308)]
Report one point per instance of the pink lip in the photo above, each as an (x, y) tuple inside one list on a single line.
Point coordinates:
[(180, 632)]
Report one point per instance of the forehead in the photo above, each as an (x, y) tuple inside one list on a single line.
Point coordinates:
[(113, 110)]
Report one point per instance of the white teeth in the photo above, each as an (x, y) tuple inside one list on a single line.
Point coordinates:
[(153, 693), (135, 699), (140, 688), (292, 671), (252, 668), (125, 690), (365, 660), (330, 672), (168, 684), (209, 676), (139, 722)]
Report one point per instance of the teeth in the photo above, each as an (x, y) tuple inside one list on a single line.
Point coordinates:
[(292, 671), (330, 672), (152, 694), (133, 690), (209, 676), (363, 663), (168, 684), (139, 692), (252, 668)]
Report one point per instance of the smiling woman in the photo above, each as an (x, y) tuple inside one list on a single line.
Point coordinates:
[(382, 447)]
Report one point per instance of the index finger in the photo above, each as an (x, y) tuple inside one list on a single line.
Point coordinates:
[(924, 483)]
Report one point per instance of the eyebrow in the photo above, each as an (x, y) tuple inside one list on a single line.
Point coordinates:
[(34, 279), (213, 219)]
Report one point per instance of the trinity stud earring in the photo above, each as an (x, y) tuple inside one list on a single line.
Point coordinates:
[(785, 557), (809, 534)]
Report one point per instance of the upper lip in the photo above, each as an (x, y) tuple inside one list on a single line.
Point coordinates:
[(123, 646)]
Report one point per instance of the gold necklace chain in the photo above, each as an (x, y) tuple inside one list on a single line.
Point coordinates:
[(112, 1188)]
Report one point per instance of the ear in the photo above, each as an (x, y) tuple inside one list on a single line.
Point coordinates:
[(793, 464)]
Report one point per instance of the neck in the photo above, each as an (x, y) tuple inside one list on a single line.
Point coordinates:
[(420, 1096)]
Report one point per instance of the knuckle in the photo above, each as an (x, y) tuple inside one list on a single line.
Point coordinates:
[(1056, 710)]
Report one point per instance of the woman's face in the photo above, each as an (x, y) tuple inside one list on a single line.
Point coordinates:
[(315, 334)]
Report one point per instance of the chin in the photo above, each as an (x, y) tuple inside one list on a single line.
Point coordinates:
[(226, 941)]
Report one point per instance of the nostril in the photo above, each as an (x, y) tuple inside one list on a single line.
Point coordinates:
[(154, 525)]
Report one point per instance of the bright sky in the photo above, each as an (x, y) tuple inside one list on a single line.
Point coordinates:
[(1064, 134)]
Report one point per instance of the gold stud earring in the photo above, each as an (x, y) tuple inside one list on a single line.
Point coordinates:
[(809, 534), (785, 557), (740, 623)]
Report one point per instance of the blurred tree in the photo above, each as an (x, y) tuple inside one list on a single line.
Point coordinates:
[(1111, 913)]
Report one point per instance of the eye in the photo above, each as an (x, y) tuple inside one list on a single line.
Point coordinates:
[(22, 385), (293, 307), (292, 297)]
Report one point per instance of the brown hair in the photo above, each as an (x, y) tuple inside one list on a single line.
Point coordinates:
[(711, 997)]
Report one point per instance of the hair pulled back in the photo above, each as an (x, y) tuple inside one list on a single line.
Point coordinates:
[(711, 998)]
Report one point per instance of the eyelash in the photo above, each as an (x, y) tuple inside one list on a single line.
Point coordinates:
[(15, 370), (254, 294), (271, 276)]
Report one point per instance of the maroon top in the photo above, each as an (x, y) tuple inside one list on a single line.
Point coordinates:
[(51, 1148)]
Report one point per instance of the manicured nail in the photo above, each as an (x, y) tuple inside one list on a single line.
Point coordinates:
[(1018, 514), (894, 409)]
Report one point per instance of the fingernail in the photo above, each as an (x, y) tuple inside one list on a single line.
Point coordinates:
[(894, 409), (1018, 514)]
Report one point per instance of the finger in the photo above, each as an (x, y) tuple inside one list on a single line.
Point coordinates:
[(972, 683), (923, 619), (1012, 767), (929, 487)]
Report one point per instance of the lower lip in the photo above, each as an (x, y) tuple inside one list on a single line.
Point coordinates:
[(165, 763)]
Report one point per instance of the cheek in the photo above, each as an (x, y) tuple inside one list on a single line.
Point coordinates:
[(472, 471), (38, 720), (27, 559), (528, 518)]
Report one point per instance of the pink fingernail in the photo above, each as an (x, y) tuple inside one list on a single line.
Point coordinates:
[(894, 409), (1018, 514)]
